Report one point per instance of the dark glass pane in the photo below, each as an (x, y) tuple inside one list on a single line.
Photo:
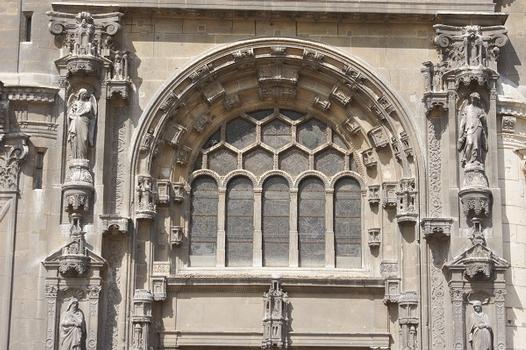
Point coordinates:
[(312, 133), (222, 161), (258, 161), (213, 140), (276, 209), (239, 222), (291, 114), (240, 133), (261, 114), (347, 223), (203, 224), (276, 134), (329, 161), (311, 223), (294, 161)]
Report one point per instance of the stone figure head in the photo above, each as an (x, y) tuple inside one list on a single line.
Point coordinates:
[(73, 305), (83, 94), (477, 306), (474, 98)]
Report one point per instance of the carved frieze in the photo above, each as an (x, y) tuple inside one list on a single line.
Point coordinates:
[(201, 73), (277, 81), (243, 55)]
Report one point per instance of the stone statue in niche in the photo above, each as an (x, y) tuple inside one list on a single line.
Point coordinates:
[(473, 133), (73, 328), (82, 115), (480, 332), (84, 36)]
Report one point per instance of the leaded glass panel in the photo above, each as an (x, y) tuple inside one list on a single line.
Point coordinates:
[(239, 222), (347, 223), (311, 223), (276, 209), (203, 223)]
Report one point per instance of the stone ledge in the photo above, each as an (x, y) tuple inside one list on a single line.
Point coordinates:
[(186, 338)]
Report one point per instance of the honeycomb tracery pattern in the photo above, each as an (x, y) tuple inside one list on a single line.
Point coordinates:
[(275, 140)]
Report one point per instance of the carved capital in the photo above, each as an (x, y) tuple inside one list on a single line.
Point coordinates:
[(470, 46), (13, 150)]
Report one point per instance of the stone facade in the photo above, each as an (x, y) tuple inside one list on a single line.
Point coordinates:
[(262, 174)]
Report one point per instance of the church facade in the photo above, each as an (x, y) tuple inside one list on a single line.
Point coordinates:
[(263, 174)]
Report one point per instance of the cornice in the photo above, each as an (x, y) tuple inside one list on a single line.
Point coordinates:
[(30, 93)]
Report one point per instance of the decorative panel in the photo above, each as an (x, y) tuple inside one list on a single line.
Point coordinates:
[(203, 226), (276, 208), (347, 223), (239, 222), (311, 223)]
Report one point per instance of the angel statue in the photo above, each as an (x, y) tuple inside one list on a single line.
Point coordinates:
[(72, 328), (480, 332), (82, 115), (472, 140)]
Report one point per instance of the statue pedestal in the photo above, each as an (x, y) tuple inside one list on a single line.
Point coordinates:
[(78, 186)]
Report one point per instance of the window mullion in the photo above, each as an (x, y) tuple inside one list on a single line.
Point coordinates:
[(257, 259), (293, 232), (329, 229), (221, 215)]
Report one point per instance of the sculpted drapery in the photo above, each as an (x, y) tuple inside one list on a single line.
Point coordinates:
[(72, 328), (472, 141), (480, 333), (82, 114)]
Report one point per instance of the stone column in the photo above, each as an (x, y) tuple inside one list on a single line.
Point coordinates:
[(141, 319), (13, 150)]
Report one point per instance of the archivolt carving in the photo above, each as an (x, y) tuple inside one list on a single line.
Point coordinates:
[(276, 82)]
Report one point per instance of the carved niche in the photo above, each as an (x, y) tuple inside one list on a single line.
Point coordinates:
[(407, 208), (146, 194)]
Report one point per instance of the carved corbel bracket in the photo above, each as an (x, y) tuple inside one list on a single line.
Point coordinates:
[(374, 195), (322, 103), (476, 201), (176, 236), (114, 224), (173, 132), (164, 191), (378, 137), (406, 211), (435, 101), (277, 81), (389, 196), (375, 238), (436, 228)]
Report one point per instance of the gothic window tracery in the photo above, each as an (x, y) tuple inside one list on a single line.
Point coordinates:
[(275, 188)]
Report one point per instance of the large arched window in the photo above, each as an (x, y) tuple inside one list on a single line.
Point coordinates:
[(278, 206)]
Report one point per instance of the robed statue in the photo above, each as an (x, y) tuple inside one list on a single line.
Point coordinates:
[(472, 140), (480, 332), (73, 328), (82, 115)]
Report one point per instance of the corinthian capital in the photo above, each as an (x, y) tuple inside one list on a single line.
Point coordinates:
[(470, 46)]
